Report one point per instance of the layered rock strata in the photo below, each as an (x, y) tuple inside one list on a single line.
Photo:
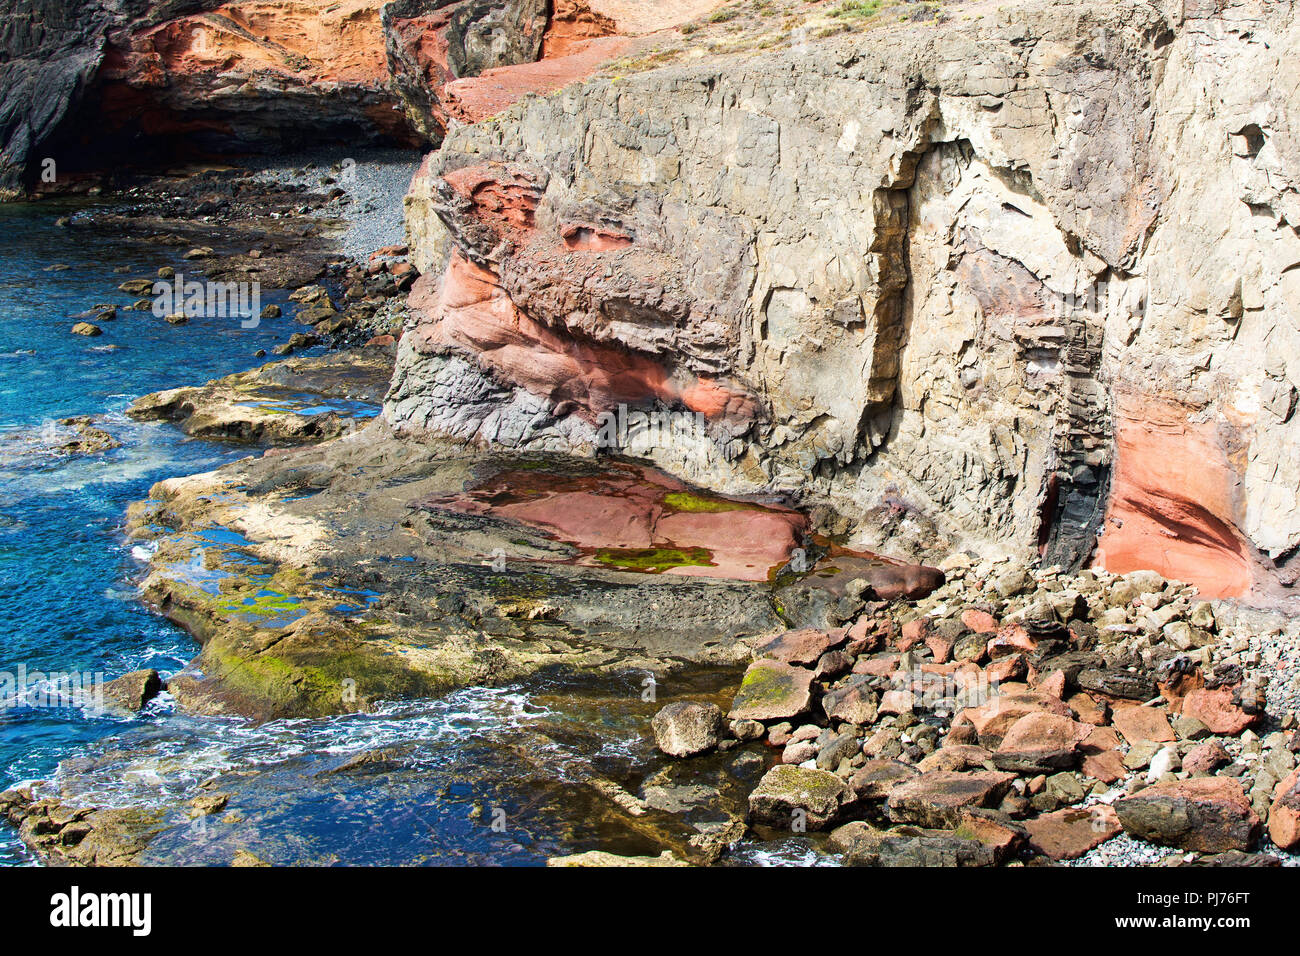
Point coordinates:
[(1020, 284)]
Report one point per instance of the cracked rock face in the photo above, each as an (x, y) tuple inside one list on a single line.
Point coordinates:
[(1011, 284)]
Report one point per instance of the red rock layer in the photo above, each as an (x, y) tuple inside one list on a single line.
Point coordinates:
[(470, 310), (1175, 504), (629, 508)]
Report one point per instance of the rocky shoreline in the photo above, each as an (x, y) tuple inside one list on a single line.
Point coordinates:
[(878, 593)]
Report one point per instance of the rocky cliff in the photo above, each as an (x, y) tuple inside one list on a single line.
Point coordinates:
[(1022, 282), (140, 81)]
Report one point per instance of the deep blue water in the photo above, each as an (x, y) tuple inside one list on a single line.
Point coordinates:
[(66, 601)]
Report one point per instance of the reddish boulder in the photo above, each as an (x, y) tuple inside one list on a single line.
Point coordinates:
[(804, 646), (1072, 832), (1284, 815), (1215, 709), (981, 622), (1142, 723), (1205, 758), (1041, 741)]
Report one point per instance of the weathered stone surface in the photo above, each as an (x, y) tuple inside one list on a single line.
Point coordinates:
[(788, 797), (772, 691), (937, 799), (1041, 741), (965, 254), (1216, 709), (1284, 814), (686, 728), (1209, 814), (132, 691), (876, 778), (1072, 832), (797, 647), (854, 703), (1142, 723)]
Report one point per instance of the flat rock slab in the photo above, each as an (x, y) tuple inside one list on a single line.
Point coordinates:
[(1072, 832), (1208, 814), (805, 646), (1142, 723), (1215, 709), (937, 799), (771, 690)]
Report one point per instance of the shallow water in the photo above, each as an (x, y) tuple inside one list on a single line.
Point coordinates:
[(66, 598), (417, 782)]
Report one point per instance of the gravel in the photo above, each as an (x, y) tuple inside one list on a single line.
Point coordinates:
[(374, 182)]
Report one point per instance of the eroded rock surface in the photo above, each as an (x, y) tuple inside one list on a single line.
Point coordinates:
[(1004, 284)]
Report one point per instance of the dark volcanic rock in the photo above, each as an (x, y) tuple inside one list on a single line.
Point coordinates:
[(1209, 814)]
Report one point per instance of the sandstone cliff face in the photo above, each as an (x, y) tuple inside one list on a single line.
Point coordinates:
[(1007, 284)]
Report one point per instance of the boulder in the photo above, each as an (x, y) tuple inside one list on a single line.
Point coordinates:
[(686, 728), (1041, 741), (788, 797), (1142, 723), (1205, 758), (1215, 709), (804, 646), (772, 690), (1209, 814), (876, 778), (87, 329), (1072, 832), (132, 691), (937, 798), (853, 703), (1284, 814)]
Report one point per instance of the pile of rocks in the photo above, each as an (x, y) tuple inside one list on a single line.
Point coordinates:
[(369, 306), (1023, 715)]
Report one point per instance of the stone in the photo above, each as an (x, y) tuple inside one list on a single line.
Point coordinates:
[(686, 728), (981, 622), (876, 778), (131, 692), (1284, 814), (854, 702), (955, 757), (1206, 814), (837, 749), (937, 799), (86, 328), (1142, 723), (804, 646), (1216, 709), (789, 797), (1070, 833), (771, 690), (1189, 728), (1088, 709), (747, 729), (1118, 683), (600, 858), (1040, 741)]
